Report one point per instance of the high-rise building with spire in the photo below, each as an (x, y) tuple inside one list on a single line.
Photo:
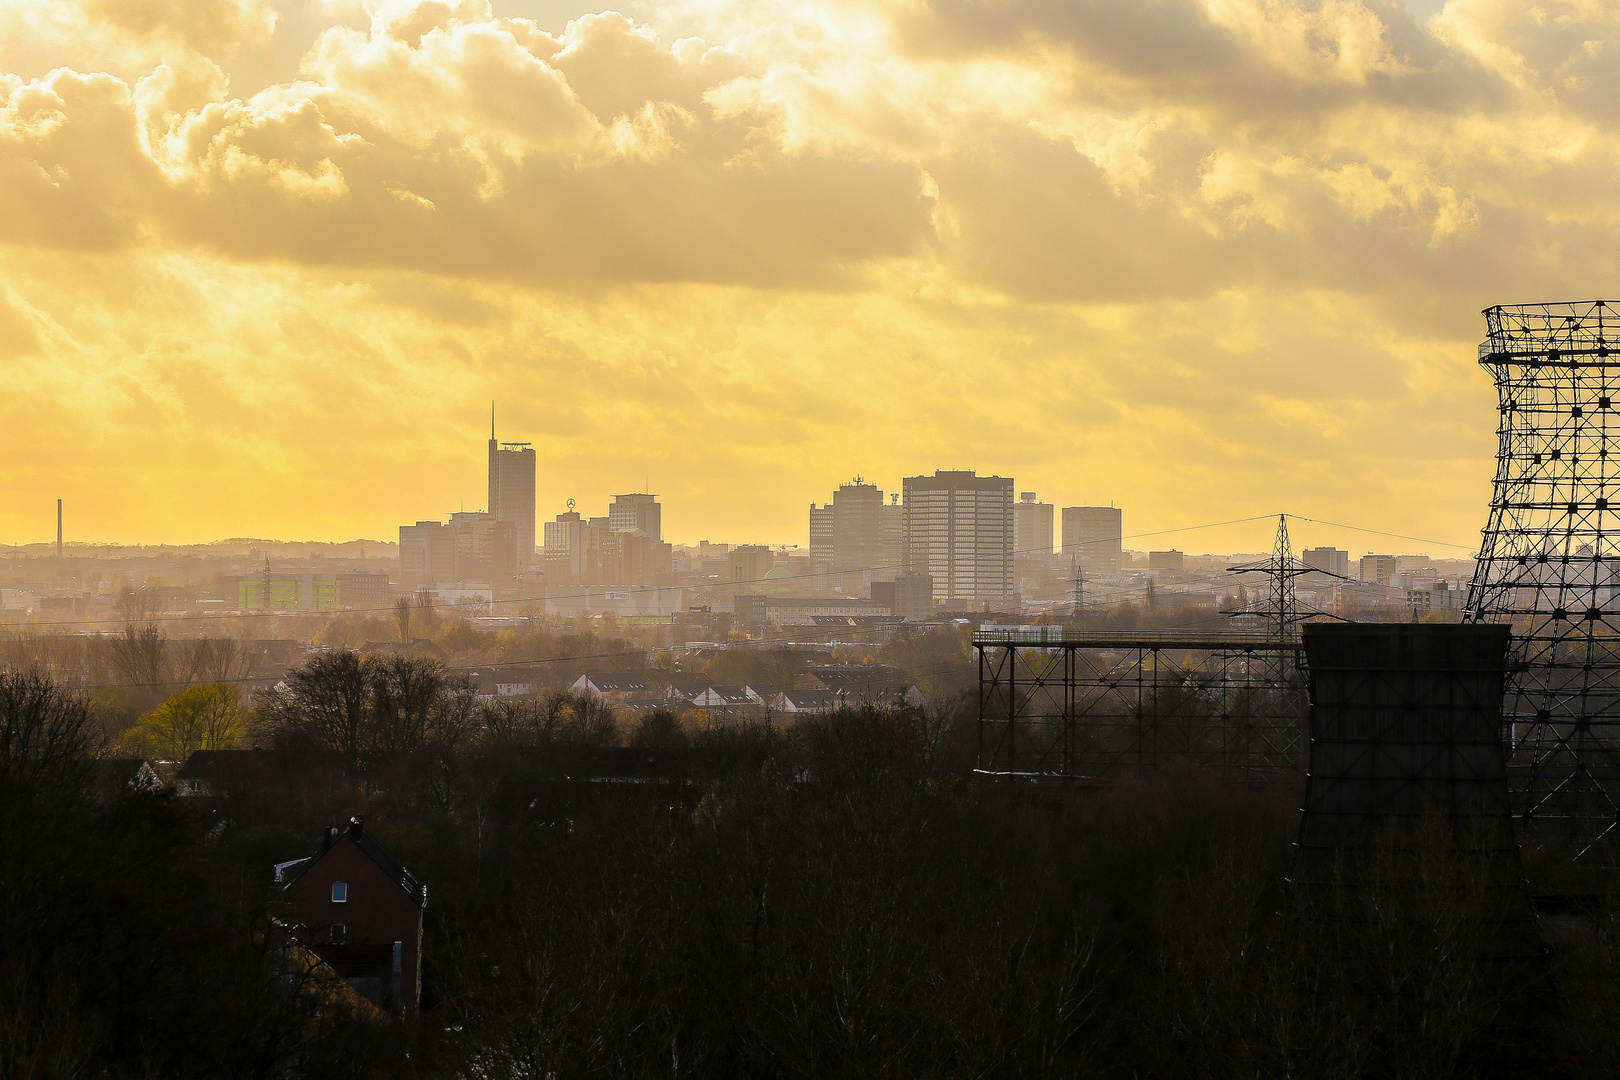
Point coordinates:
[(511, 490)]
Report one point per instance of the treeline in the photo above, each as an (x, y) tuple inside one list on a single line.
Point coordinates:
[(834, 898), (162, 697)]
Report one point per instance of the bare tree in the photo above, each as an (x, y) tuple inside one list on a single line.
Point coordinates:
[(406, 693), (215, 660), (404, 609), (136, 606), (140, 655), (587, 720), (523, 722), (46, 735), (325, 704)]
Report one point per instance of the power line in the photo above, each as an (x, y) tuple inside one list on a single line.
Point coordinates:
[(1380, 532)]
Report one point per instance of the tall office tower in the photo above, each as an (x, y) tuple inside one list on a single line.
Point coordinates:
[(637, 513), (857, 540), (821, 546), (1333, 560), (1032, 526), (599, 552), (959, 530), (511, 491), (565, 549), (893, 519), (1094, 536), (427, 553), (474, 534)]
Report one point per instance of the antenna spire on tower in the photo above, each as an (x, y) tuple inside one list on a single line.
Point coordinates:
[(492, 421)]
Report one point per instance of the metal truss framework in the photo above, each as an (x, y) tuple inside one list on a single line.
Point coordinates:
[(1095, 707), (1550, 565)]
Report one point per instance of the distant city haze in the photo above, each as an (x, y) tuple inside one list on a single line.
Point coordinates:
[(265, 263)]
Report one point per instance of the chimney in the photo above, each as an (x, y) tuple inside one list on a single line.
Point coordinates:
[(355, 825), (58, 530)]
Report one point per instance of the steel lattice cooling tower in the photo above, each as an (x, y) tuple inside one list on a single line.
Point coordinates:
[(1550, 565)]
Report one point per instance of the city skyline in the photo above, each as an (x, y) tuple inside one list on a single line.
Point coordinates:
[(985, 538), (511, 468), (1036, 251)]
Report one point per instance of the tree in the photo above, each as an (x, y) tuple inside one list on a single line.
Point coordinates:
[(45, 737), (204, 717), (523, 722), (140, 654), (219, 660), (589, 721), (324, 704), (135, 607), (368, 710), (415, 702), (658, 729), (403, 610)]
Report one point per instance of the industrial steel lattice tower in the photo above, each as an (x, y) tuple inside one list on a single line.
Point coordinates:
[(1550, 565)]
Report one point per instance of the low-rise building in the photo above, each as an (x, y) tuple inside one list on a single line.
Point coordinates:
[(288, 591), (356, 907), (757, 612)]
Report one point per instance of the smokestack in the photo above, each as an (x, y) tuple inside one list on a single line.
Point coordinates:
[(58, 529)]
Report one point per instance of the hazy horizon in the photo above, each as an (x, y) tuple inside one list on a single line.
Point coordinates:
[(268, 262)]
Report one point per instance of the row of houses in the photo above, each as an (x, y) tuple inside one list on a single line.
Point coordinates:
[(819, 691)]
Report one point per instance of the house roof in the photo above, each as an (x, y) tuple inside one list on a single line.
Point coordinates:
[(354, 830), (850, 676), (611, 681), (731, 695), (813, 699)]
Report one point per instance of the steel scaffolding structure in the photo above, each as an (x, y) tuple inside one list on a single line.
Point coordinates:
[(1074, 705), (1079, 706), (1549, 564)]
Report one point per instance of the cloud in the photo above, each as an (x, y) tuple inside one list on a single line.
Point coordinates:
[(1188, 251), (207, 26), (438, 142)]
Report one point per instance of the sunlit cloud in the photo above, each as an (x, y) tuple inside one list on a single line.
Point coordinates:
[(1199, 257)]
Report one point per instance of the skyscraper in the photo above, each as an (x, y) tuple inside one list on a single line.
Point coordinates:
[(821, 536), (893, 519), (511, 491), (1094, 536), (565, 550), (1032, 525), (639, 512), (427, 553), (959, 531)]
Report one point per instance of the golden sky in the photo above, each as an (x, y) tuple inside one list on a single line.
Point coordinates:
[(264, 263)]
